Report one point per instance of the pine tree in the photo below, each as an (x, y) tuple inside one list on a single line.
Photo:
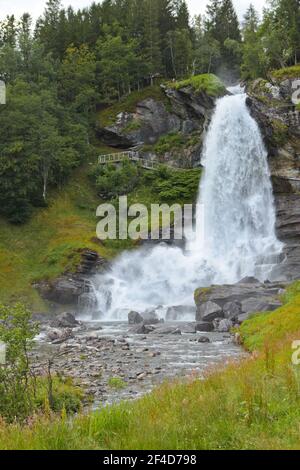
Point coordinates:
[(212, 17), (9, 31), (166, 23), (25, 40), (228, 23), (182, 14), (151, 39), (47, 28), (251, 21)]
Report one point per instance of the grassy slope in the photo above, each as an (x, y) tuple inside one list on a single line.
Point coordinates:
[(49, 243), (248, 405)]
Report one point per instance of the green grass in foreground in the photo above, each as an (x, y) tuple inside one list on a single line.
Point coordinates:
[(207, 83), (254, 404)]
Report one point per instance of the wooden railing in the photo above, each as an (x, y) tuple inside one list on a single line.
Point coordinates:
[(128, 155)]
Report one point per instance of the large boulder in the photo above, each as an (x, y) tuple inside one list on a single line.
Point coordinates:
[(59, 336), (134, 318), (141, 329), (237, 301), (187, 328), (253, 305), (232, 310), (208, 312), (65, 320), (65, 290), (167, 330), (224, 326), (204, 327)]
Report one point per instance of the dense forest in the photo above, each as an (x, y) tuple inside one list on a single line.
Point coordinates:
[(60, 69)]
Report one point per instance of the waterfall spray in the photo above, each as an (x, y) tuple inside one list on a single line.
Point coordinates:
[(238, 238)]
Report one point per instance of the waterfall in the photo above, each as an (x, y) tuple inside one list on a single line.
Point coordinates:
[(238, 238)]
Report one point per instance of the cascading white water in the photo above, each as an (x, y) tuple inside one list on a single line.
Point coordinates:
[(237, 208)]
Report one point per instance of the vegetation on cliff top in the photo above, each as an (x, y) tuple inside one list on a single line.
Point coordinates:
[(249, 405), (286, 73), (205, 83)]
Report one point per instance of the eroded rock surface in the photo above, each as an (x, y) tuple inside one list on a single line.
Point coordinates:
[(226, 305)]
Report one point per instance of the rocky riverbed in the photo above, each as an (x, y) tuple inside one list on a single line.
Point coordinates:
[(111, 362)]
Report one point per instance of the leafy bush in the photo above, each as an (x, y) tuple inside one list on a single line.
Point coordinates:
[(178, 186), (169, 142), (112, 181), (16, 381), (65, 395), (21, 392)]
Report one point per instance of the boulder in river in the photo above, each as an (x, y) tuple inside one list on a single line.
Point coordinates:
[(141, 329), (134, 318), (59, 336), (205, 327), (224, 326), (203, 339), (187, 328), (208, 312), (167, 330), (65, 320)]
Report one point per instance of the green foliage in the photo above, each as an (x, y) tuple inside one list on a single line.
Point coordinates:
[(54, 146), (117, 383), (116, 180), (286, 73), (275, 326), (280, 132), (65, 395), (17, 385), (21, 392), (166, 184), (206, 83), (178, 186), (272, 43), (169, 142)]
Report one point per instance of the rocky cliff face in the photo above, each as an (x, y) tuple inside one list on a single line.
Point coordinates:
[(271, 104), (72, 289), (184, 112), (279, 118)]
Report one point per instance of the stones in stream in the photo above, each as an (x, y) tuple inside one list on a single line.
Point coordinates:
[(93, 354)]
